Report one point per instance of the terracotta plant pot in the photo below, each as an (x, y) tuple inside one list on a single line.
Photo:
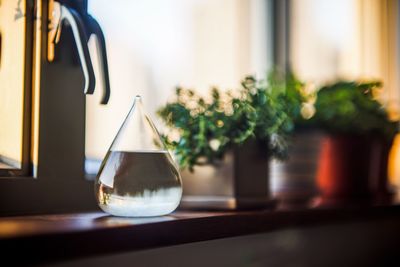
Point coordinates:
[(352, 168), (239, 181)]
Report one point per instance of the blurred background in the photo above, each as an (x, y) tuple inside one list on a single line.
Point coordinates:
[(155, 45)]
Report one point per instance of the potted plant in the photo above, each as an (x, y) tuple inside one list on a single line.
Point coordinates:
[(354, 154), (223, 142)]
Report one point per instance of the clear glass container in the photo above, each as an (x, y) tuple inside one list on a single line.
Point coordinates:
[(138, 177)]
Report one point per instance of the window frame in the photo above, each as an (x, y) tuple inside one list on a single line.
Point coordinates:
[(48, 182)]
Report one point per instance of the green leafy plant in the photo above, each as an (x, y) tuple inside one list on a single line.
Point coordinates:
[(352, 107), (203, 129)]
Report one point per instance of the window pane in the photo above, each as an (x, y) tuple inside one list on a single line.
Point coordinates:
[(12, 63)]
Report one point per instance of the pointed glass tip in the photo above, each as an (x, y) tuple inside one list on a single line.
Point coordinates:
[(137, 100)]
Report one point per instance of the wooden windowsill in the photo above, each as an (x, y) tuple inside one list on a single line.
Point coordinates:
[(49, 238)]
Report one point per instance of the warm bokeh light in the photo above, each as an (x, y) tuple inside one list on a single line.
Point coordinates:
[(394, 162)]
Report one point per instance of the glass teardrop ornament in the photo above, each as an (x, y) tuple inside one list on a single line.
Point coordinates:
[(138, 177)]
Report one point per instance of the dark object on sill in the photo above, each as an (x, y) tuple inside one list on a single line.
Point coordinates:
[(83, 27), (353, 169), (239, 182)]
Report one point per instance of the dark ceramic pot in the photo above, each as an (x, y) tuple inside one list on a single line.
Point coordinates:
[(239, 181)]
